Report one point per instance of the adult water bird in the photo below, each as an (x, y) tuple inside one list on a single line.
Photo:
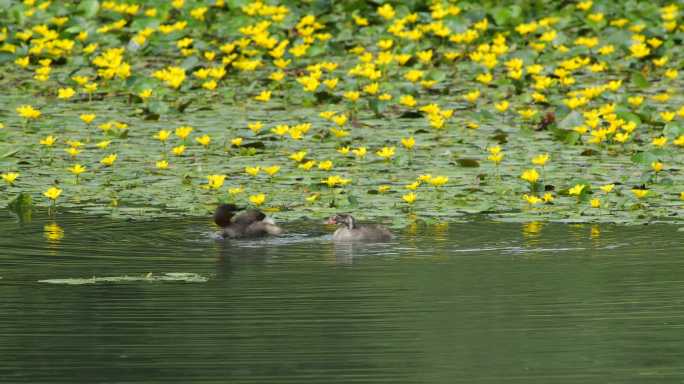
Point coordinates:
[(249, 223)]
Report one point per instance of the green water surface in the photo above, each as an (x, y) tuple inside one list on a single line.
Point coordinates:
[(473, 302)]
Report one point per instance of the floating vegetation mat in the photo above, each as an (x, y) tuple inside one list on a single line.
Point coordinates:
[(421, 109)]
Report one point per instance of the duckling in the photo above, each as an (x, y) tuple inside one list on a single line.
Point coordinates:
[(250, 223), (356, 232)]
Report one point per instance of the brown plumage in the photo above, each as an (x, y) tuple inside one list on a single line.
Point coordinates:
[(351, 231), (250, 223)]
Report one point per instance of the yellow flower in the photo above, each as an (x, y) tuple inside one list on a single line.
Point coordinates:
[(385, 153), (235, 190), (161, 164), (438, 181), (494, 150), (210, 85), (502, 106), (621, 137), (635, 100), (72, 151), (340, 120), (496, 158), (335, 180), (74, 143), (472, 96), (198, 13), (409, 198), (679, 141), (667, 116), (108, 161), (204, 140), (280, 129), (10, 177), (360, 21), (531, 199), (540, 159), (530, 175), (527, 113), (407, 100), (88, 117), (640, 193), (65, 93), (255, 127), (484, 78), (298, 156), (252, 171), (215, 181), (307, 165), (639, 50), (584, 5), (424, 56), (162, 135), (77, 169), (386, 11), (372, 88), (183, 132), (413, 186), (49, 141), (178, 150), (145, 94), (277, 75), (595, 203), (359, 152), (659, 141), (103, 144), (607, 188), (272, 170), (383, 188), (548, 197), (263, 96), (329, 83), (408, 142), (257, 199), (352, 96), (236, 142), (28, 112), (657, 166), (576, 190), (661, 97), (325, 165), (52, 193), (90, 87), (312, 197), (22, 61)]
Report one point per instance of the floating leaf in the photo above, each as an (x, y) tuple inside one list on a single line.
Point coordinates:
[(165, 277)]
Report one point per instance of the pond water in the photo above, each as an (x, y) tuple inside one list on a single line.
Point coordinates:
[(479, 301)]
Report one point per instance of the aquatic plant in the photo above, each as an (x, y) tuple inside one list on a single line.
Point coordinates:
[(326, 105)]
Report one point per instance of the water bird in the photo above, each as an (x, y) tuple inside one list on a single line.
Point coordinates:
[(250, 223), (352, 231)]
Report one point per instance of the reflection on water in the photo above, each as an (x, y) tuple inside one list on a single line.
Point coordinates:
[(53, 233), (453, 302)]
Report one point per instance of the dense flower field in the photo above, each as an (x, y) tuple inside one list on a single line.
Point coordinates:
[(399, 109)]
